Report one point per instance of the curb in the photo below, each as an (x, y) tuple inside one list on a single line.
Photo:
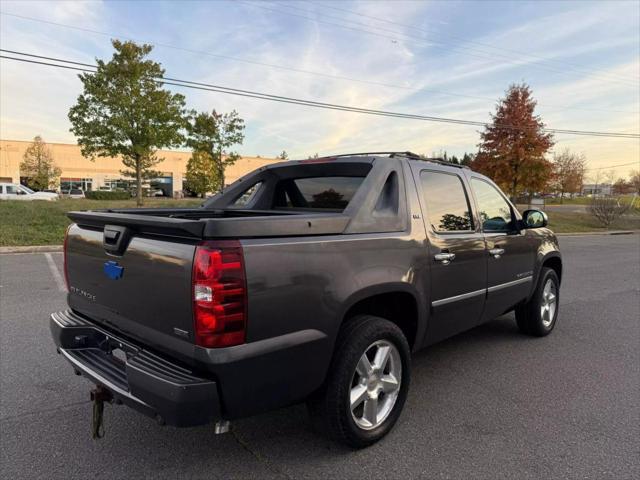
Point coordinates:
[(597, 232), (32, 249)]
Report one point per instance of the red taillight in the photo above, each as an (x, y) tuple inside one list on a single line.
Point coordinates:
[(64, 255), (219, 294)]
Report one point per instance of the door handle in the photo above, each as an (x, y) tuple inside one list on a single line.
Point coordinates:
[(496, 252), (444, 258)]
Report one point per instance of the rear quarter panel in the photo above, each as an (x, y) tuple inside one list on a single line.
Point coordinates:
[(306, 283), (309, 283)]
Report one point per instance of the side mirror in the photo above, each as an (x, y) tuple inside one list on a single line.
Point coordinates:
[(20, 192), (534, 219)]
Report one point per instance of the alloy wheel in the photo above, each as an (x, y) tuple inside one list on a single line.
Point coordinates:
[(548, 303), (375, 384)]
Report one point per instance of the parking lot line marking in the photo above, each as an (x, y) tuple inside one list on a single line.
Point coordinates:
[(56, 274)]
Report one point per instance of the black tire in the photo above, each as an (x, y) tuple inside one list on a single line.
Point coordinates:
[(528, 315), (330, 406)]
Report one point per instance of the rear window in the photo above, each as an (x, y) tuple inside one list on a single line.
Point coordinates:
[(321, 193)]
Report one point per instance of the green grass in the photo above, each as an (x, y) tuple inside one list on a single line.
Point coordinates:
[(569, 222), (584, 200), (44, 223), (568, 201)]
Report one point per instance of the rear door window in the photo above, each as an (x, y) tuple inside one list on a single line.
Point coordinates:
[(322, 193), (446, 201)]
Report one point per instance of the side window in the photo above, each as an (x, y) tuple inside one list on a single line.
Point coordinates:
[(245, 197), (447, 203), (11, 190), (495, 213)]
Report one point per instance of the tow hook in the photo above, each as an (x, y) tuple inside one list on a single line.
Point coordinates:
[(98, 396)]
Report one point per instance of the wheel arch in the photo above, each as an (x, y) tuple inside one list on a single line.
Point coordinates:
[(553, 261), (397, 302)]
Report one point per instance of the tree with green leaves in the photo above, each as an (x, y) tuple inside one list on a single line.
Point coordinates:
[(202, 174), (283, 155), (467, 159), (38, 166), (215, 133), (514, 145), (124, 111)]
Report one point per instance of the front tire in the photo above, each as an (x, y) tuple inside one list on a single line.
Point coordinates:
[(538, 316), (367, 383)]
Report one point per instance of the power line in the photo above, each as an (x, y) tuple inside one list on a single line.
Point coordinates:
[(413, 38), (302, 71), (467, 41), (303, 102), (614, 166)]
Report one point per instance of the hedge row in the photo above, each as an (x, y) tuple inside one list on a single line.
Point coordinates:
[(106, 195)]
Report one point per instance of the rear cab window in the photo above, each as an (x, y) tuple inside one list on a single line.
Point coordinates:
[(331, 193), (448, 208)]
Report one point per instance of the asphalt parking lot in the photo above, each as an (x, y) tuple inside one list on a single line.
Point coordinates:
[(489, 403)]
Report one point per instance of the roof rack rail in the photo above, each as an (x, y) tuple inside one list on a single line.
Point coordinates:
[(408, 154), (366, 154), (441, 161)]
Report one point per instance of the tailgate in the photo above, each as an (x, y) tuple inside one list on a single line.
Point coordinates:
[(137, 285)]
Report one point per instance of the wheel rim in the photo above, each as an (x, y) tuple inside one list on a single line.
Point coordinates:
[(549, 303), (375, 384)]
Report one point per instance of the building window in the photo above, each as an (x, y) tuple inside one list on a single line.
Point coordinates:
[(117, 184), (84, 184)]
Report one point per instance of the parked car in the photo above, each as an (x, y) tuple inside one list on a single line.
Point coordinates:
[(74, 193), (15, 191), (155, 192), (308, 280)]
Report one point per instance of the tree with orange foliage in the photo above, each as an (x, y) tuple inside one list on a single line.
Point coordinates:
[(513, 147), (568, 172)]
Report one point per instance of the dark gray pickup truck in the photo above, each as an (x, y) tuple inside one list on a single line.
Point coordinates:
[(305, 280)]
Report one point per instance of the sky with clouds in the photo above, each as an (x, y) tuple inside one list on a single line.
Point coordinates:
[(438, 58)]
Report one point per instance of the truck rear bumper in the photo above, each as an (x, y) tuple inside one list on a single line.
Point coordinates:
[(142, 380)]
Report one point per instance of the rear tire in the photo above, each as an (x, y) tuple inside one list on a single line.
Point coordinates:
[(538, 316), (367, 383)]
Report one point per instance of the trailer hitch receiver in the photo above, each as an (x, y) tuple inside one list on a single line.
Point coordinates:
[(99, 396)]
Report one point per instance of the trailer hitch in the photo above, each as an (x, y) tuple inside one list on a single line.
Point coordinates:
[(98, 396)]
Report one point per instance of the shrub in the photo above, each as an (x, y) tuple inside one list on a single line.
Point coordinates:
[(606, 209), (106, 195)]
